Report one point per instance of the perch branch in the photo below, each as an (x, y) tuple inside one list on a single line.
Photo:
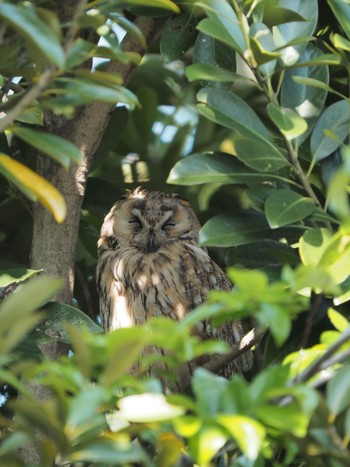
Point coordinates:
[(219, 362)]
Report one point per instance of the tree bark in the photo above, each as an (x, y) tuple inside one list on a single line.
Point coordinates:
[(54, 245)]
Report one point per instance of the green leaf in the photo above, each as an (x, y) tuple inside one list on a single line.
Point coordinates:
[(34, 186), (285, 33), (222, 24), (229, 110), (263, 46), (58, 315), (336, 118), (297, 95), (338, 392), (259, 153), (287, 121), (81, 91), (208, 51), (278, 321), (285, 207), (28, 24), (10, 276), (320, 248), (206, 443), (338, 320), (124, 347), (16, 311), (58, 148), (313, 244), (340, 42), (216, 168), (235, 228), (166, 4), (247, 432), (177, 37), (342, 13), (199, 71), (208, 401)]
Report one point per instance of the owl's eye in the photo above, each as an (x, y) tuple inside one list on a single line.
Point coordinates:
[(167, 225), (135, 222)]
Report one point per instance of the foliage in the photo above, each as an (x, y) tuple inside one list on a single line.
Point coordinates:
[(244, 106)]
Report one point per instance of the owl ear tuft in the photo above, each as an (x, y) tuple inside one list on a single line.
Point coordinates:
[(138, 192)]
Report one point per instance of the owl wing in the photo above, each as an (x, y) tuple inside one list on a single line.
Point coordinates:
[(201, 275)]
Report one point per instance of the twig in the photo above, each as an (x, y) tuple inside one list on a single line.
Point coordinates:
[(28, 98), (325, 361)]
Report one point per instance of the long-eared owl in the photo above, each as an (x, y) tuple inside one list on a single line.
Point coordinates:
[(150, 264)]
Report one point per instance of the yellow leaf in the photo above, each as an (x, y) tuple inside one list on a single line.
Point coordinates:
[(34, 186)]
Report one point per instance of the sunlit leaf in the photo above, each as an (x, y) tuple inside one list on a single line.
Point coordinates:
[(289, 122), (8, 276), (206, 443), (247, 432), (147, 407), (287, 32), (338, 320), (34, 186)]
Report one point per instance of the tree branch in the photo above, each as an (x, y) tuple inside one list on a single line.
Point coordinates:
[(219, 362)]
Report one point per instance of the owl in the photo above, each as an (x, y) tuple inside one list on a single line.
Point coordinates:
[(150, 264)]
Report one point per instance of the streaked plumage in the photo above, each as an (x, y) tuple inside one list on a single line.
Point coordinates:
[(150, 264)]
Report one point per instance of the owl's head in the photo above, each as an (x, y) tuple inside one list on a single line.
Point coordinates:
[(147, 221)]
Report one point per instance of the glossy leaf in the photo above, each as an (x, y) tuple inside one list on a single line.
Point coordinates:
[(247, 432), (222, 24), (216, 168), (60, 149), (307, 101), (229, 110), (60, 314), (287, 32), (287, 121), (284, 207), (235, 228), (28, 24), (336, 119), (342, 13), (34, 186), (263, 47), (199, 71), (338, 392), (178, 36), (209, 51)]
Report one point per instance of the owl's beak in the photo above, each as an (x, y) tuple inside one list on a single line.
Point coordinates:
[(152, 243)]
